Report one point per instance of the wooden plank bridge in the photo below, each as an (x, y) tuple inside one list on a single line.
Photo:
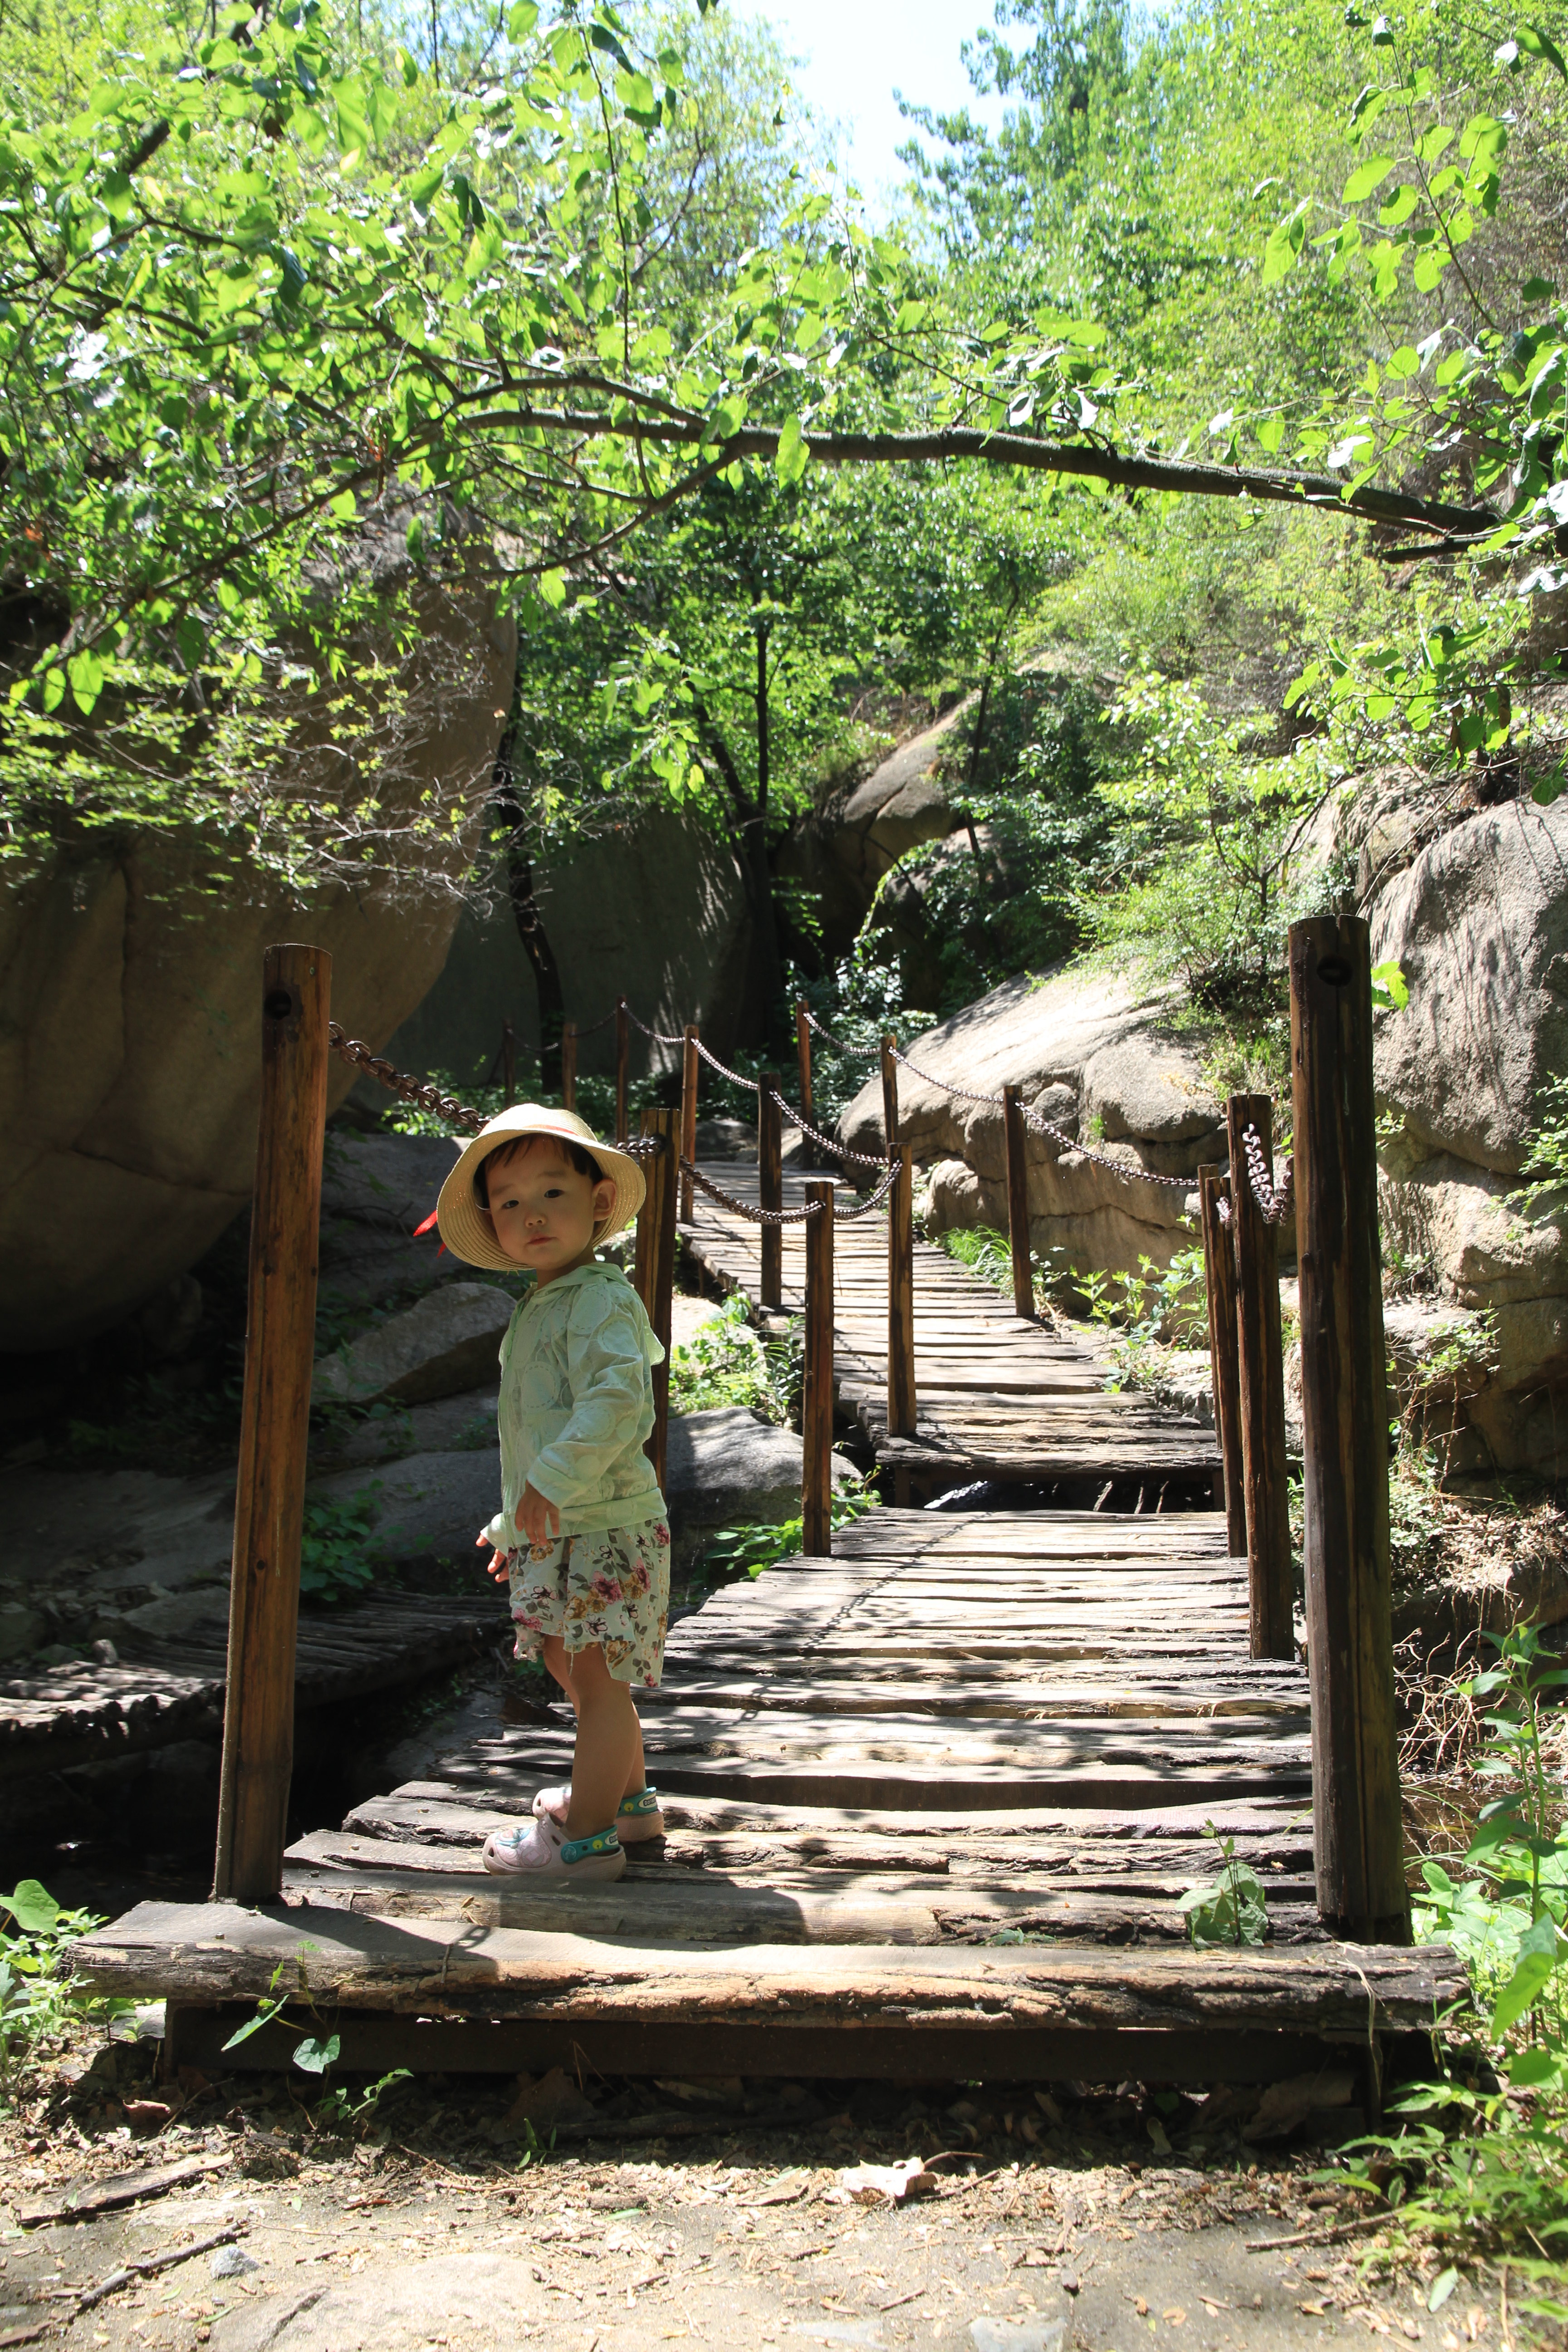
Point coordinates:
[(946, 1786), (998, 1396), (932, 1800)]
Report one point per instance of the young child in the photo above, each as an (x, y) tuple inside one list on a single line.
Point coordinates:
[(581, 1535)]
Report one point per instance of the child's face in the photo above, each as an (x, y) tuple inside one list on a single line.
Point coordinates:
[(544, 1209)]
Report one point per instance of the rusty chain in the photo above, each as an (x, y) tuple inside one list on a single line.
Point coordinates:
[(827, 1142), (1273, 1206), (420, 1092), (759, 1216)]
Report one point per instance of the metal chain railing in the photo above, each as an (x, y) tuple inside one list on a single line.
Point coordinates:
[(825, 1142), (1044, 1126), (760, 1216), (723, 1069), (420, 1092), (855, 1053), (659, 1036), (1274, 1207)]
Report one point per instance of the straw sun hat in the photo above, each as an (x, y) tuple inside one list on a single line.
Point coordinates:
[(466, 1228)]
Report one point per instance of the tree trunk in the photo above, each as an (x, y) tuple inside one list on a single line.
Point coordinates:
[(530, 929)]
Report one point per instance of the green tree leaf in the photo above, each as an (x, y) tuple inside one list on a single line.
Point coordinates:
[(794, 453)]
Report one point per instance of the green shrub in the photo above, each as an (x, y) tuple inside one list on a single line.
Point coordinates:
[(332, 1553), (40, 1998)]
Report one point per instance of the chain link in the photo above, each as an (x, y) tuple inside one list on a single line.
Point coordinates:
[(1043, 1126), (855, 1053), (827, 1142), (593, 1025), (397, 1082), (659, 1036), (1273, 1206), (745, 1208), (724, 1071)]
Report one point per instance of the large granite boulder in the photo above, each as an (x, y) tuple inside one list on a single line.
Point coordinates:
[(1478, 923), (1100, 1061), (131, 995), (446, 1343), (653, 909), (840, 852)]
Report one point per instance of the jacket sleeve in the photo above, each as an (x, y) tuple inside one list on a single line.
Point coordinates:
[(607, 1368)]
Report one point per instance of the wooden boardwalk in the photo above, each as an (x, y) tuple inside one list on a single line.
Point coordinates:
[(946, 1787), (998, 1398)]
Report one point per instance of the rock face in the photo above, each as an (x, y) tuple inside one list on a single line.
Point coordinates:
[(842, 851), (653, 909), (1478, 922), (444, 1344), (726, 1466), (1097, 1060), (130, 1003)]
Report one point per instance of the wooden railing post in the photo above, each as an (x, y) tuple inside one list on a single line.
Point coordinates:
[(1357, 1833), (1261, 1389), (623, 1061), (816, 1397), (654, 1276), (901, 1299), (569, 1063), (689, 1073), (1018, 1203), (269, 1498), (889, 1092), (803, 1056), (1219, 1272), (770, 1184), (508, 1063)]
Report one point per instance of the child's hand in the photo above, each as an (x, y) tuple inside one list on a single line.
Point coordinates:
[(496, 1565), (537, 1517)]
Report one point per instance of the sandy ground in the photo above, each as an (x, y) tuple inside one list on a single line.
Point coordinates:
[(439, 2229)]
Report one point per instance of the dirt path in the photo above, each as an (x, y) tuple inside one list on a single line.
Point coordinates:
[(436, 2231)]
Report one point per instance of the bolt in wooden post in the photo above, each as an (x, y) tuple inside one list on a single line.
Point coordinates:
[(270, 1499), (817, 1399), (770, 1184), (655, 1274), (569, 1063), (688, 1075), (623, 1062), (1018, 1203), (1357, 1836), (803, 1056), (1261, 1390), (901, 1299), (890, 1091), (1219, 1271)]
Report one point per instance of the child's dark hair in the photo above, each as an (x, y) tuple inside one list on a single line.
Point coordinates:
[(582, 1159)]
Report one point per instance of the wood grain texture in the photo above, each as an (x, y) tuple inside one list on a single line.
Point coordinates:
[(569, 1064), (280, 1351), (1018, 1203), (1345, 1396), (623, 1066), (1261, 1388), (816, 1393), (1219, 1270), (656, 1267), (803, 1062), (690, 1069), (770, 1186), (902, 1399)]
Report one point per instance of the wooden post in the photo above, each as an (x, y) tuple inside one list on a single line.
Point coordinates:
[(654, 1276), (770, 1185), (689, 1074), (569, 1063), (889, 1092), (1357, 1836), (1261, 1390), (623, 1059), (816, 1400), (1219, 1271), (901, 1299), (508, 1063), (270, 1499), (1018, 1203), (803, 1056)]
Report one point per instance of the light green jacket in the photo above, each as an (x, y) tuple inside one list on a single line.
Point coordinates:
[(576, 1405)]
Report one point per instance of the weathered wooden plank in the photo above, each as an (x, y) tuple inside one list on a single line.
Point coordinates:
[(440, 1967)]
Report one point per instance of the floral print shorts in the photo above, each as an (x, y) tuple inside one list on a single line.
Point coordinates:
[(609, 1591)]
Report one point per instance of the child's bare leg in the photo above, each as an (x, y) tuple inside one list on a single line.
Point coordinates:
[(609, 1745), (560, 1661)]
